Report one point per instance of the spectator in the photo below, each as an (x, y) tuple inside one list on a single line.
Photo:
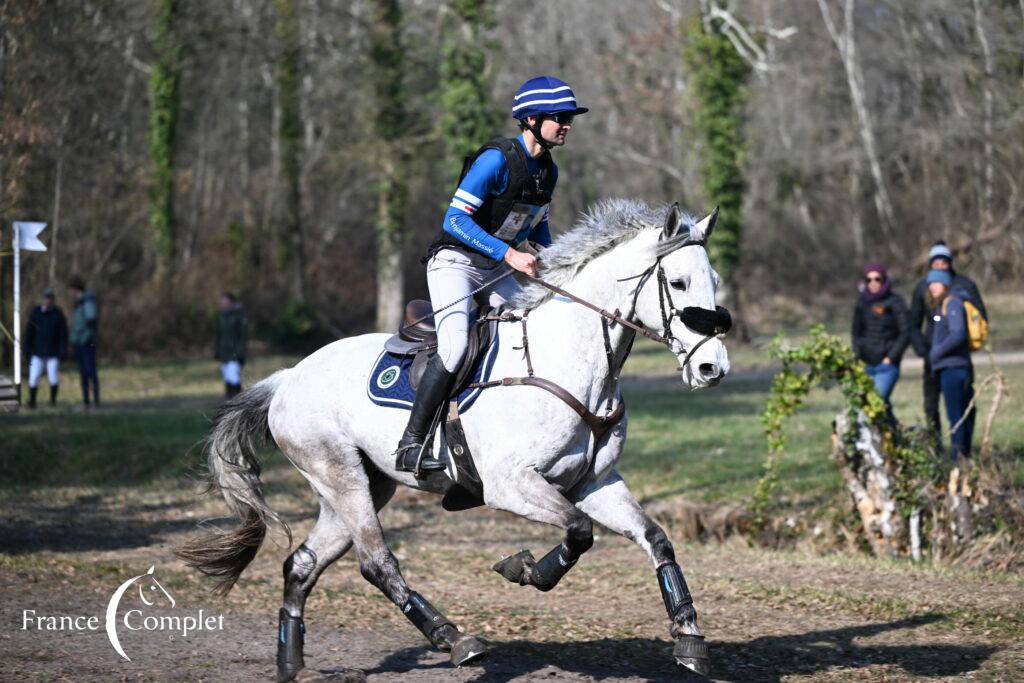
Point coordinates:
[(880, 332), (46, 342), (939, 258), (232, 332), (85, 320), (950, 358)]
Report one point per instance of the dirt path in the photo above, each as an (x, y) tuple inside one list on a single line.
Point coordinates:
[(770, 616)]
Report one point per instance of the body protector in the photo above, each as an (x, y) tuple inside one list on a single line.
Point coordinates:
[(519, 208)]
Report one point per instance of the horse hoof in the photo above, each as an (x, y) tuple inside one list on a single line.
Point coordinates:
[(692, 652), (287, 673), (467, 650), (516, 568)]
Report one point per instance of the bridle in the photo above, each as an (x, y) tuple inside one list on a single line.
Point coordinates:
[(711, 324)]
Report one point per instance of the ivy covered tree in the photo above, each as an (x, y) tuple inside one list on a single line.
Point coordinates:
[(469, 117), (391, 121), (165, 73), (717, 75), (289, 132)]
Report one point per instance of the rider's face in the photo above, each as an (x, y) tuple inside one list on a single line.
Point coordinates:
[(553, 131)]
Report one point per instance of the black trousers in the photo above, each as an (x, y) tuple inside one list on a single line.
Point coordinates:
[(932, 392)]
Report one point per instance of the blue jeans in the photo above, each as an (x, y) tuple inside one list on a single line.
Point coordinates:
[(885, 376), (85, 356), (957, 391)]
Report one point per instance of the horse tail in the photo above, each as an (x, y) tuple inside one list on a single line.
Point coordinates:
[(239, 429)]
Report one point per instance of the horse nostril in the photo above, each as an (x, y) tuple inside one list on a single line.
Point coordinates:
[(708, 369)]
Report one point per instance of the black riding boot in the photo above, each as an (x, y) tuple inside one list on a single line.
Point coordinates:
[(53, 394), (32, 391), (435, 387)]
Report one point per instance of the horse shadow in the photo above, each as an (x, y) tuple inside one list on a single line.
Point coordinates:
[(767, 658)]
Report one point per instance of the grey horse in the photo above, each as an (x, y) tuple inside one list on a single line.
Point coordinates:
[(546, 464)]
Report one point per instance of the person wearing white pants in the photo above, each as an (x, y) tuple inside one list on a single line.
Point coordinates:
[(502, 201), (46, 342)]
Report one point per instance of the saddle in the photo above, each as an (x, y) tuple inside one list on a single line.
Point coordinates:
[(417, 337)]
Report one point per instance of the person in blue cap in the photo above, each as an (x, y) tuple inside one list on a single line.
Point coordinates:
[(922, 326), (950, 358), (500, 206)]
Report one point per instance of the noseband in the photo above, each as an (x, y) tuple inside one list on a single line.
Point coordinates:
[(710, 324)]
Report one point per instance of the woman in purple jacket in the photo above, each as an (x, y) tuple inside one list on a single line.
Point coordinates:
[(950, 357)]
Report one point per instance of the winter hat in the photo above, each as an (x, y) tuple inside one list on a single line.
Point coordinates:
[(883, 292), (48, 293), (942, 276), (940, 250), (877, 268)]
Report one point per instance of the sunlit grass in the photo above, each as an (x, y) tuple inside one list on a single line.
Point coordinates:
[(705, 445)]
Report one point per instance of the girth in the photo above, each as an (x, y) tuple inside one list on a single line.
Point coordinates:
[(599, 426)]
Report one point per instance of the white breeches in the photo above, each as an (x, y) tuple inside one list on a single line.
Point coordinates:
[(232, 372), (35, 370), (451, 275)]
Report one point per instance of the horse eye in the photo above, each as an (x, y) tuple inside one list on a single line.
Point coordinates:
[(679, 284)]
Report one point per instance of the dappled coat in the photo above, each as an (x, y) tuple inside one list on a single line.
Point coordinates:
[(880, 329), (232, 335)]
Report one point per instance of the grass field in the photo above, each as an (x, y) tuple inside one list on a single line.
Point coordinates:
[(706, 445)]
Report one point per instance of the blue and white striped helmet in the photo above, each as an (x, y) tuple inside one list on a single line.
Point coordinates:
[(544, 95)]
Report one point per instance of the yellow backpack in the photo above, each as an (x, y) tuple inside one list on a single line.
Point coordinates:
[(977, 326)]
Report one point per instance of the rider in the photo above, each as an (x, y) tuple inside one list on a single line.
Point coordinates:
[(501, 202)]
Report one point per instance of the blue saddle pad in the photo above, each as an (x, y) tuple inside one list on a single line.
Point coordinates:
[(389, 384)]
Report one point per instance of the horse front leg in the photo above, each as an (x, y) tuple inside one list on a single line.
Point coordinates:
[(610, 503), (529, 495)]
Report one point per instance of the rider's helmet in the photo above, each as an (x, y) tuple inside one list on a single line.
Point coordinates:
[(544, 96)]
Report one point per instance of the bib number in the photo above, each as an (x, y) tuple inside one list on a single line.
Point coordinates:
[(520, 220)]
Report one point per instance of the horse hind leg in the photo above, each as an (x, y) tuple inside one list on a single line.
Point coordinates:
[(379, 566), (327, 542)]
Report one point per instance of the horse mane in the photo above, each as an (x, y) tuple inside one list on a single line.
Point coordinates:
[(606, 225)]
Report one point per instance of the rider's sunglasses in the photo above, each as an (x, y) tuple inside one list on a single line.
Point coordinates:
[(562, 118), (872, 278)]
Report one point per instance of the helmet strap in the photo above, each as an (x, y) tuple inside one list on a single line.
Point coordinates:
[(535, 129)]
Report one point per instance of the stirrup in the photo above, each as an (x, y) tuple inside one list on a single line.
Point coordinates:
[(423, 463)]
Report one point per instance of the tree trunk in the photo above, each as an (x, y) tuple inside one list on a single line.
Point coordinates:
[(869, 479), (290, 239), (847, 46), (387, 54), (989, 172), (55, 235), (163, 121)]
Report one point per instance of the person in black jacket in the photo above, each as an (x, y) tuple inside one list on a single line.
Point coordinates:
[(880, 333), (232, 338), (922, 325), (46, 342)]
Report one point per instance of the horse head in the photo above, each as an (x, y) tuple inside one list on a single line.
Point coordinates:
[(675, 297)]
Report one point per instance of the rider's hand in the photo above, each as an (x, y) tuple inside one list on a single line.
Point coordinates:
[(524, 263)]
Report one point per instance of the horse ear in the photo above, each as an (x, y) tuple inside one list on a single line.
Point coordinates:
[(672, 221), (707, 225)]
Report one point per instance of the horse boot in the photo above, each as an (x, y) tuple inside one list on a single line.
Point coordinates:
[(32, 391), (435, 386), (53, 394)]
